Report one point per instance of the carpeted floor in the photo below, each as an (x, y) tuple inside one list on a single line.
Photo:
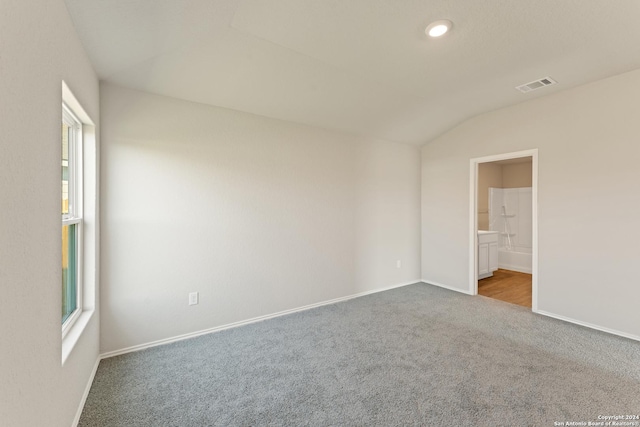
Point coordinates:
[(417, 355)]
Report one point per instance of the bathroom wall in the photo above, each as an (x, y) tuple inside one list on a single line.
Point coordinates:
[(516, 175), (499, 175), (489, 175)]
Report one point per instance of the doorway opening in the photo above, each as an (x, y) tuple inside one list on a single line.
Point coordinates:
[(503, 223)]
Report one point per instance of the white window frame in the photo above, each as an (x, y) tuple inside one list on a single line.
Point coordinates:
[(87, 209), (74, 217)]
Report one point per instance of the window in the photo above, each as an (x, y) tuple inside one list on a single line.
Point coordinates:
[(80, 220), (71, 218)]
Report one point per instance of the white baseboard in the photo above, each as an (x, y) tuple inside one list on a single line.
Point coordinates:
[(451, 288), (76, 420), (546, 313), (247, 322), (589, 325), (515, 268)]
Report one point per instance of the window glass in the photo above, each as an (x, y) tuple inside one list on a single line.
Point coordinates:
[(65, 167), (69, 271), (71, 218)]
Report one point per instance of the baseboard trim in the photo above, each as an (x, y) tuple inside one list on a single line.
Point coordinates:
[(76, 420), (440, 285), (589, 325), (246, 322), (515, 268)]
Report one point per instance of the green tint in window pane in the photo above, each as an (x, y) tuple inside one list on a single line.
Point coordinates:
[(65, 167), (69, 271)]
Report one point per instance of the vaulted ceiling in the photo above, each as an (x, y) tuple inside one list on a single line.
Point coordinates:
[(361, 66)]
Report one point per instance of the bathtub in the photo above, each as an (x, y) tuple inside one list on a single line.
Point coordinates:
[(517, 259)]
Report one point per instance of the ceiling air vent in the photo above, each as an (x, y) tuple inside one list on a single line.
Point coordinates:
[(537, 84)]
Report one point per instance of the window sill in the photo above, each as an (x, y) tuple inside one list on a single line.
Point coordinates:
[(74, 334)]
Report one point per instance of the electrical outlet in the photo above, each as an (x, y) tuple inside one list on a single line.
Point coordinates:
[(193, 298), (398, 263)]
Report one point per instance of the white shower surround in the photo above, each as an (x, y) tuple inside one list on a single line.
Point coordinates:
[(519, 260), (516, 224)]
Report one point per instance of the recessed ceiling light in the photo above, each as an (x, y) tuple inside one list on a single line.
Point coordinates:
[(438, 28)]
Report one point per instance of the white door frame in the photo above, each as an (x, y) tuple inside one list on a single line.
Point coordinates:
[(473, 219)]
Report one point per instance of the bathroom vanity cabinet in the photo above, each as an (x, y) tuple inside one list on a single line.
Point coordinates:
[(487, 253)]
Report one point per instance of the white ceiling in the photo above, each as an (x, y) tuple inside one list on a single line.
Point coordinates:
[(361, 66)]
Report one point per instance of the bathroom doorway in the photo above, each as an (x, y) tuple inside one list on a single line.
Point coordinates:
[(503, 221)]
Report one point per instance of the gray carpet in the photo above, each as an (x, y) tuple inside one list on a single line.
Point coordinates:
[(417, 355)]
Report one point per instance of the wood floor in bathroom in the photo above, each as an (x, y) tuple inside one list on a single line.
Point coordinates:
[(509, 286)]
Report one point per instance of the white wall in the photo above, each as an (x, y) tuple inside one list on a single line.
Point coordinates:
[(38, 49), (589, 203), (257, 215)]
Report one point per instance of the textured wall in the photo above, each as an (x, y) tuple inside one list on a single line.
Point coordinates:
[(257, 215), (39, 49), (589, 203)]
